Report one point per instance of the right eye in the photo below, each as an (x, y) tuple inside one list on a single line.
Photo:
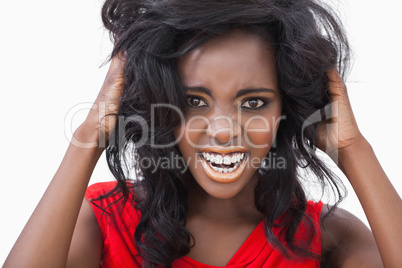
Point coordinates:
[(194, 101)]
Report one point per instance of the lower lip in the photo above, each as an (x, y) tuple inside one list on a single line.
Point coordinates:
[(223, 177)]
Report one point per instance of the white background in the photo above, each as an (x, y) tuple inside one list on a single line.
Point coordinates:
[(50, 57)]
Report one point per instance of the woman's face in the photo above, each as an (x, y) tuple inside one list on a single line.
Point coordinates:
[(234, 109)]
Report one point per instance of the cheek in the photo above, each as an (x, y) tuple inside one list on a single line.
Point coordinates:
[(260, 131), (189, 134)]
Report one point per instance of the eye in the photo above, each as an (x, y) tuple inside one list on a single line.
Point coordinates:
[(253, 103), (194, 101)]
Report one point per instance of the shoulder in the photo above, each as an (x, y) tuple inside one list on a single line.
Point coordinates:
[(346, 241), (109, 205), (102, 218), (313, 209), (101, 188), (104, 195)]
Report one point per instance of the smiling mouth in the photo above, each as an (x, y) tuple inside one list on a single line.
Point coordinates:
[(224, 168), (223, 163)]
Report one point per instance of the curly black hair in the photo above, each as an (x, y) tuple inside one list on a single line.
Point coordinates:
[(308, 40)]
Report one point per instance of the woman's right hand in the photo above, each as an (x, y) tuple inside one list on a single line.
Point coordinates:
[(52, 224), (102, 118)]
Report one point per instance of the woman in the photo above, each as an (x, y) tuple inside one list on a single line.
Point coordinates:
[(248, 78)]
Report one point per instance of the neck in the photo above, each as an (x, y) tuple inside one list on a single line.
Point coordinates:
[(240, 207)]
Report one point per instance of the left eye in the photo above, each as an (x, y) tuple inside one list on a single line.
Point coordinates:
[(253, 103), (195, 102)]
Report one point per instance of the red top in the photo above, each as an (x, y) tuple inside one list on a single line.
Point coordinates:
[(119, 224)]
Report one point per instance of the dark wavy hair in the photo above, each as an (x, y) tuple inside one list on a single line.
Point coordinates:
[(153, 34)]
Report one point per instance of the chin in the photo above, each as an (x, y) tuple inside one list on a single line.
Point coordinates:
[(225, 190)]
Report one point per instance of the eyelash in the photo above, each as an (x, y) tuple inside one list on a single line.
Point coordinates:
[(198, 98), (261, 101)]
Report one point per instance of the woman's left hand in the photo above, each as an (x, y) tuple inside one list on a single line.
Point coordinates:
[(339, 131), (382, 205)]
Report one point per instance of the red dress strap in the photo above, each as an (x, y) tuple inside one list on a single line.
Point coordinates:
[(117, 224)]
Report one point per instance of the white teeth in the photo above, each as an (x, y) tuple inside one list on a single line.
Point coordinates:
[(216, 158), (224, 170), (227, 160)]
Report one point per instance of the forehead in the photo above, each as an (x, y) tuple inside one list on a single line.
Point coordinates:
[(236, 59)]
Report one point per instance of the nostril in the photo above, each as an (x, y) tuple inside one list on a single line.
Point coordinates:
[(223, 126), (223, 136)]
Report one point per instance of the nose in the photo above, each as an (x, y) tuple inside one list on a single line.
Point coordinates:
[(223, 129)]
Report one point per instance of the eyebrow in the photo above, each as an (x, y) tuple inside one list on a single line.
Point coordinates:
[(239, 93)]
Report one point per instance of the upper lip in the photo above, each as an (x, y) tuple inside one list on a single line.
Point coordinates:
[(223, 150)]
